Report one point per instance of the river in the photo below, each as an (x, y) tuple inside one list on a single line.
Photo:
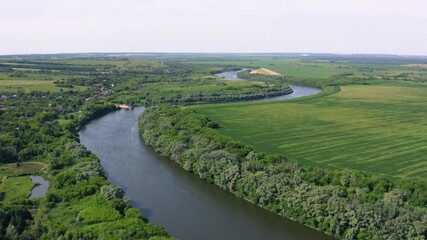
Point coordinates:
[(188, 207), (299, 91), (231, 74)]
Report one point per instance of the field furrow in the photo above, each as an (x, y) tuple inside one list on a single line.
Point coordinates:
[(377, 129)]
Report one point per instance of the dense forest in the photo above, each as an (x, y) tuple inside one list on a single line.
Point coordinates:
[(344, 203)]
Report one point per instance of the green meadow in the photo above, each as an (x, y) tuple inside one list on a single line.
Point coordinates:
[(324, 69), (27, 86), (379, 129), (33, 85), (15, 182), (15, 189)]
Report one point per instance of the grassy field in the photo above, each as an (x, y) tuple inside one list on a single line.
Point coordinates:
[(16, 189), (120, 63), (322, 69), (287, 67), (378, 129), (213, 87), (14, 186), (33, 85), (27, 85), (23, 167)]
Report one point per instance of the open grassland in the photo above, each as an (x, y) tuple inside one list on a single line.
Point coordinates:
[(31, 85), (323, 69), (287, 67), (294, 68), (27, 85), (15, 184), (32, 74), (377, 129), (119, 63), (24, 167), (15, 189), (416, 65)]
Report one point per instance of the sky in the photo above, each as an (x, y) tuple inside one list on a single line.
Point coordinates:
[(237, 26)]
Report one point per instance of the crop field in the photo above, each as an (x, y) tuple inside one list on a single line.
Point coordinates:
[(322, 69), (27, 85), (32, 85), (378, 129), (288, 67), (120, 63)]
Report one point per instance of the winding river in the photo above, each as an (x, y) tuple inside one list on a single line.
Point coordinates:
[(231, 74), (188, 207), (299, 91)]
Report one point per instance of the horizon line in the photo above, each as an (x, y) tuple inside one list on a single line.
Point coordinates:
[(213, 53)]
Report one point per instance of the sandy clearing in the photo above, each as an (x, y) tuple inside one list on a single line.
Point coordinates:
[(265, 71)]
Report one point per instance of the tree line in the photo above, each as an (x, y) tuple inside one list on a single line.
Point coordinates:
[(318, 83), (344, 203), (81, 203)]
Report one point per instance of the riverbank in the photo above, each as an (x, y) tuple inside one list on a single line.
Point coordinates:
[(115, 139), (42, 126), (312, 196), (187, 206)]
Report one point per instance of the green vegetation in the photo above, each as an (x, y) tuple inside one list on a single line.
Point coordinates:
[(285, 156), (189, 84), (319, 83), (378, 129), (38, 135), (355, 121), (15, 189), (15, 184), (44, 103), (323, 68), (21, 169), (345, 204), (26, 85)]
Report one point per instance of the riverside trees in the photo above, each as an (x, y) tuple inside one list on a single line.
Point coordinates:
[(346, 204)]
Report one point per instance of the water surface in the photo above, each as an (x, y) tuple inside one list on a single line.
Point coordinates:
[(298, 91), (188, 207), (231, 74), (41, 188)]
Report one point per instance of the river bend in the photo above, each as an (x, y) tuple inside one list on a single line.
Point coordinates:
[(188, 207)]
